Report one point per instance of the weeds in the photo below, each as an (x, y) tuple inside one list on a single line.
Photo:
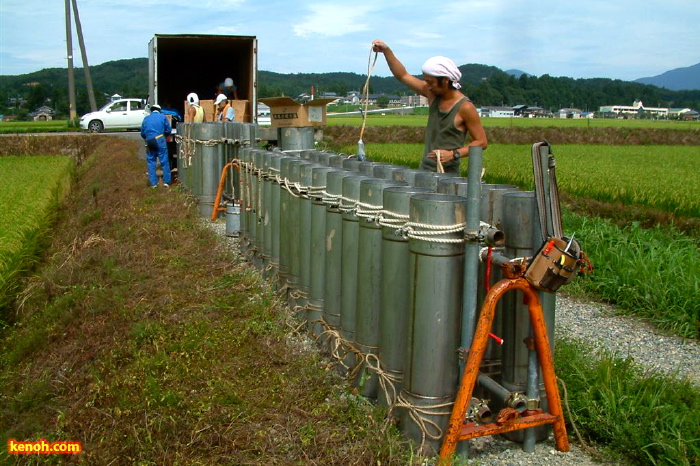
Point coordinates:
[(651, 273), (649, 418), (149, 347)]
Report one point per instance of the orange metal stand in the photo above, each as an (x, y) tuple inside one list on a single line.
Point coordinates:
[(217, 202), (509, 421)]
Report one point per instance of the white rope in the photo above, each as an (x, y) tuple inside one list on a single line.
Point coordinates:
[(317, 192), (429, 429), (387, 380), (428, 232), (368, 211), (365, 90), (347, 204)]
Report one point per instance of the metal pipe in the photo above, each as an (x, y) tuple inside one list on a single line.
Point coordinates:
[(351, 164), (209, 164), (304, 238), (317, 252), (259, 241), (349, 260), (285, 226), (294, 231), (395, 283), (275, 214), (336, 160), (296, 138), (515, 400), (471, 249), (407, 175), (519, 211), (436, 265), (333, 247), (369, 275)]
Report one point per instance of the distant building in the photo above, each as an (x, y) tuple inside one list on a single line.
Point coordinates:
[(637, 109), (682, 113), (497, 112), (414, 101), (574, 113), (353, 97), (43, 113), (394, 100)]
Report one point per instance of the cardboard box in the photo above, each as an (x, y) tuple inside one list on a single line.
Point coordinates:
[(288, 113), (240, 107)]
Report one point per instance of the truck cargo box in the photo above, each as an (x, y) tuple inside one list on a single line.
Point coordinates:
[(183, 63)]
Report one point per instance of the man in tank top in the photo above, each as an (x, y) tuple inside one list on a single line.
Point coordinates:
[(451, 114)]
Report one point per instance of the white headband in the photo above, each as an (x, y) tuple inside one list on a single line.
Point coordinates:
[(443, 67)]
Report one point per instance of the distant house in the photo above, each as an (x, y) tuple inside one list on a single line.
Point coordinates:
[(353, 97), (43, 113), (690, 115), (497, 112), (520, 110), (574, 113), (394, 100), (682, 113)]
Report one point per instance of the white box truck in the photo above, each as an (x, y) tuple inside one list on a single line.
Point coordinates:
[(182, 63)]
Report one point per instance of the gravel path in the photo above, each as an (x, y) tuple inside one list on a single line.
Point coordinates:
[(596, 325)]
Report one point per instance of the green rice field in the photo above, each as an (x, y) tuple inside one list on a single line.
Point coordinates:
[(391, 119), (31, 188), (51, 126), (658, 177)]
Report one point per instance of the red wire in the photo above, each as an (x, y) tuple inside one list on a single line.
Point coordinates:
[(488, 287), (488, 269)]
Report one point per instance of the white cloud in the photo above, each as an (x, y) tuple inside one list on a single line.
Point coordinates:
[(624, 39), (334, 20)]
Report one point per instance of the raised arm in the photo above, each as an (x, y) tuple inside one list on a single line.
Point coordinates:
[(399, 71)]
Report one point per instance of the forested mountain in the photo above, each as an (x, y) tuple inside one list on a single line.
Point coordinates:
[(485, 85)]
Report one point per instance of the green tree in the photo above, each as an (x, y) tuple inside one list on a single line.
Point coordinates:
[(37, 97), (383, 101)]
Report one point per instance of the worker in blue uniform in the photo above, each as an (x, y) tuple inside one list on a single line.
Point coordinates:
[(154, 129)]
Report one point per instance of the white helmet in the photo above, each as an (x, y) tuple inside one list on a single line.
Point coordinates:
[(228, 82), (192, 98)]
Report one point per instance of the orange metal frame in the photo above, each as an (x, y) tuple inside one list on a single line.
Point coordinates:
[(458, 429), (217, 202)]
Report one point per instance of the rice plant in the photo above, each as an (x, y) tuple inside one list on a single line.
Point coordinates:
[(650, 418), (29, 194)]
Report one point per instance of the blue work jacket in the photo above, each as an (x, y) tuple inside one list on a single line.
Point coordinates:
[(154, 125)]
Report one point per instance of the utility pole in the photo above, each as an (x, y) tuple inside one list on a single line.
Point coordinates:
[(71, 81), (86, 67)]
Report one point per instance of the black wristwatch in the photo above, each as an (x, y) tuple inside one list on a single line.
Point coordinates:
[(456, 155)]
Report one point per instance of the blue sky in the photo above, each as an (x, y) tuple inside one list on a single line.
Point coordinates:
[(619, 39)]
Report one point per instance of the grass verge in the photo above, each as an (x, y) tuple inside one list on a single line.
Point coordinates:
[(147, 343), (647, 418)]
